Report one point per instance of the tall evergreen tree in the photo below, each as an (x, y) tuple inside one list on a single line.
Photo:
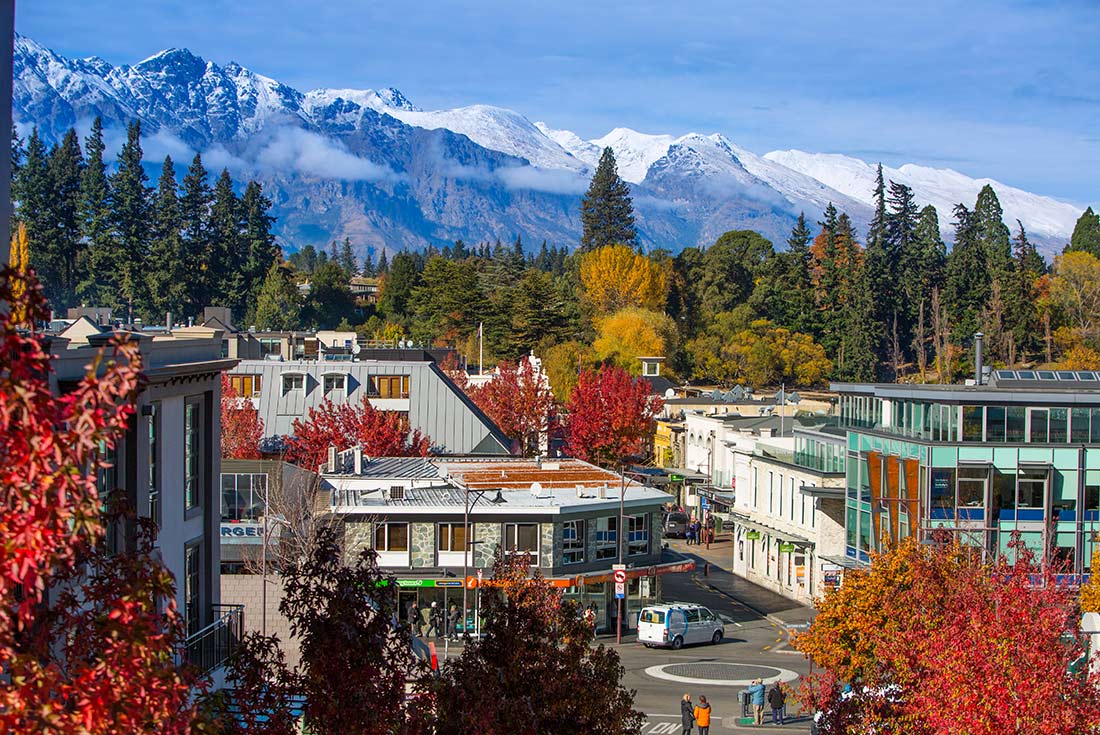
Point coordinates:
[(169, 270), (226, 247), (967, 285), (130, 220), (607, 212), (194, 219), (279, 304), (538, 313), (347, 258), (1022, 295), (97, 263), (923, 269), (856, 355), (880, 261), (33, 190), (66, 168), (784, 287), (260, 249), (383, 263), (901, 226), (400, 281), (369, 269), (1086, 233), (992, 235)]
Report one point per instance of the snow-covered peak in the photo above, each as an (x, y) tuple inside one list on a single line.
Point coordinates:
[(392, 97), (941, 187), (573, 143), (634, 152)]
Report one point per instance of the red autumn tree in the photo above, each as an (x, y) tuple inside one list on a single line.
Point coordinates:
[(519, 401), (379, 433), (242, 427), (935, 642), (533, 635), (88, 634), (610, 416)]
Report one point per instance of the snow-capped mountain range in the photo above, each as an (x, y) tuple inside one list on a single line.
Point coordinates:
[(370, 165)]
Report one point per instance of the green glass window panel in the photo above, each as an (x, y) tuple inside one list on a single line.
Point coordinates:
[(1092, 490), (851, 527), (980, 454), (1004, 490), (1092, 459), (1065, 459), (1038, 419), (995, 424), (945, 456), (1065, 491), (1031, 485), (1095, 425), (865, 531), (1059, 426), (972, 423), (1016, 424), (1079, 425)]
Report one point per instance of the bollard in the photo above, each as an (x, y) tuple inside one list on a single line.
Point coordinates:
[(706, 569)]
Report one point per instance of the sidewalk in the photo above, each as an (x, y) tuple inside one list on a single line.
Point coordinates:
[(771, 605)]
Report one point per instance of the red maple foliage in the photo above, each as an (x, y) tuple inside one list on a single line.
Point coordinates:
[(242, 427), (967, 647), (610, 416), (519, 401), (379, 433), (87, 638)]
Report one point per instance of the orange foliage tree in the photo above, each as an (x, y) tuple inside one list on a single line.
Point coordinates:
[(614, 277), (935, 642)]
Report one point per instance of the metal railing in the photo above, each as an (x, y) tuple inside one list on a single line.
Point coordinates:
[(209, 648)]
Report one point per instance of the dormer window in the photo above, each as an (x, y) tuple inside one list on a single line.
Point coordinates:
[(294, 382), (335, 383), (651, 366)]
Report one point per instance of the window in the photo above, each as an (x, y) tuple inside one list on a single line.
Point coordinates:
[(1059, 420), (334, 382), (243, 496), (390, 386), (106, 478), (1032, 487), (572, 541), (293, 382), (192, 423), (246, 386), (607, 537), (192, 611), (692, 615), (972, 423), (452, 537), (1017, 421), (972, 486), (650, 615), (1038, 425), (270, 346), (995, 423), (391, 537), (521, 537), (638, 534), (1079, 425), (943, 491), (154, 464)]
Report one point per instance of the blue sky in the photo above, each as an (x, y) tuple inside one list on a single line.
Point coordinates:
[(1008, 89)]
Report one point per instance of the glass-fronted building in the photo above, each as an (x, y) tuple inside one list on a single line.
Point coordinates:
[(1020, 454)]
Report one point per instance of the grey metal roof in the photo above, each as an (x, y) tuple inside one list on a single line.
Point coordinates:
[(417, 468)]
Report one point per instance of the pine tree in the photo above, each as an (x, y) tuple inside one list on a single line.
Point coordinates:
[(1022, 295), (226, 246), (1086, 233), (880, 261), (967, 285), (901, 225), (279, 305), (66, 168), (400, 280), (169, 270), (347, 259), (260, 248), (96, 262), (856, 359), (194, 218), (37, 211), (607, 213), (130, 220), (992, 235), (383, 263), (538, 312)]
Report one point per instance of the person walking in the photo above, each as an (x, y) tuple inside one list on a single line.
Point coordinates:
[(777, 699), (702, 715), (687, 714), (452, 621), (435, 621), (756, 698), (689, 532)]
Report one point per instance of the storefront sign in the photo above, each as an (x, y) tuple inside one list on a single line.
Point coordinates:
[(786, 547), (752, 535), (243, 532)]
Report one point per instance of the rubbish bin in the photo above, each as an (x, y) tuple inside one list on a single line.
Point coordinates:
[(717, 525)]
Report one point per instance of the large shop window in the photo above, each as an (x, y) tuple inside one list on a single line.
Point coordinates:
[(943, 492), (572, 541), (639, 534), (972, 482), (1032, 485), (243, 496), (607, 537), (392, 536)]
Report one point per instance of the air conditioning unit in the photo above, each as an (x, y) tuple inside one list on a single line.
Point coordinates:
[(602, 492)]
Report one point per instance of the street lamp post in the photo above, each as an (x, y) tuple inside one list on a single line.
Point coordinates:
[(466, 544)]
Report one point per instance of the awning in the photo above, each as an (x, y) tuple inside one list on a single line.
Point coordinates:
[(764, 528), (816, 491), (841, 561), (598, 577)]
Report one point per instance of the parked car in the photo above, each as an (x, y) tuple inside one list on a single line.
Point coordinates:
[(673, 626), (676, 524)]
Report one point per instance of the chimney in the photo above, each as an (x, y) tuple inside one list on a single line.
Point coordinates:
[(978, 339), (602, 492), (332, 460), (358, 459)]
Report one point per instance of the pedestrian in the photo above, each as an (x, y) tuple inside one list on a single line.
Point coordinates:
[(414, 619), (689, 533), (777, 699), (435, 621), (452, 621), (687, 714), (702, 716), (756, 698)]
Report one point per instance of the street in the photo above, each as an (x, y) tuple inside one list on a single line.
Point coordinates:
[(753, 647)]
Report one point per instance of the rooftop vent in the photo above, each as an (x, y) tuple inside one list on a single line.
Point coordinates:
[(397, 492)]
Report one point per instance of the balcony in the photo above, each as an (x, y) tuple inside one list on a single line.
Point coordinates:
[(209, 648)]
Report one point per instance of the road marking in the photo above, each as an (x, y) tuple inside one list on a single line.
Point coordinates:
[(658, 672), (765, 648)]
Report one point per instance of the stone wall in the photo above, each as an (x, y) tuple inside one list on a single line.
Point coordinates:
[(422, 544), (489, 536), (546, 545), (247, 590)]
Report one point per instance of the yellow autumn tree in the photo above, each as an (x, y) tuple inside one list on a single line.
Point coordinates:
[(1090, 591), (615, 277), (563, 363), (631, 333), (20, 262)]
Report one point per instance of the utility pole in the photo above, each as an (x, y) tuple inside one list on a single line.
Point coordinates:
[(622, 528)]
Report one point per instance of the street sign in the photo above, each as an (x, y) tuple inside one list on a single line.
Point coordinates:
[(704, 502), (620, 590), (786, 547), (620, 576), (752, 535), (619, 566), (471, 582)]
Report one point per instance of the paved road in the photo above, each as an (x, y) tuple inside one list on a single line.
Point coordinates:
[(754, 646)]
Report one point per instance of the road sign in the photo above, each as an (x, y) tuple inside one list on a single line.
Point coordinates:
[(705, 503), (620, 590), (619, 566), (471, 582), (620, 576)]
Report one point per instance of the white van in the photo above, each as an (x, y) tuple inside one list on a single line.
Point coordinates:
[(676, 624)]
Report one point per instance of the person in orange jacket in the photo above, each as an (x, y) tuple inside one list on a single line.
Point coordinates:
[(702, 716)]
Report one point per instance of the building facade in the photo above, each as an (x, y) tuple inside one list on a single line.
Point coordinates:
[(1018, 457)]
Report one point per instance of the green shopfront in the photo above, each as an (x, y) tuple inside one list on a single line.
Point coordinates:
[(1018, 456)]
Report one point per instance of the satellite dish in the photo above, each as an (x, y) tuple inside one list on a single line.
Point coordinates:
[(355, 348), (670, 393), (536, 489)]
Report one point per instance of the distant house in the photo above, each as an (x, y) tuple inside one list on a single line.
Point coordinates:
[(364, 288)]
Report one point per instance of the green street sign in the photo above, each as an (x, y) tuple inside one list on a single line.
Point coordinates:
[(416, 583), (752, 535), (787, 548), (674, 478)]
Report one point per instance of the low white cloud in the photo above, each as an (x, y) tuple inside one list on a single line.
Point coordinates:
[(300, 151), (551, 181)]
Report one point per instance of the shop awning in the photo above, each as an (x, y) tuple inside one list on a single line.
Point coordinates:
[(753, 525), (816, 491), (635, 572), (841, 561)]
